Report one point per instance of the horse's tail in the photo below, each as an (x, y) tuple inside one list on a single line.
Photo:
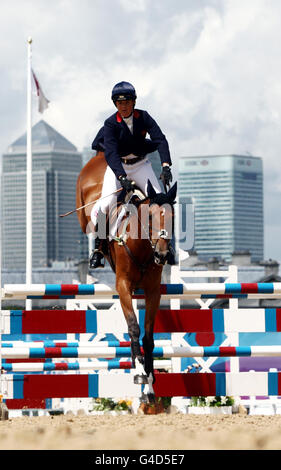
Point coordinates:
[(83, 221)]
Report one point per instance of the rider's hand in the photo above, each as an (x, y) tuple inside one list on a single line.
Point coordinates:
[(166, 175), (127, 184)]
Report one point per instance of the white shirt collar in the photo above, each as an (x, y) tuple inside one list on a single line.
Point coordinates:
[(129, 122)]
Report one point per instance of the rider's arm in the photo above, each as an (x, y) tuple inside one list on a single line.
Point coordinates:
[(111, 149)]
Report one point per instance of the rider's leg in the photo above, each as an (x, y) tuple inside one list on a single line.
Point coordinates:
[(141, 172), (99, 210), (97, 255), (107, 199)]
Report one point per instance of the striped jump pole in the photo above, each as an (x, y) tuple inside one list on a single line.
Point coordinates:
[(77, 344), (79, 366), (192, 290), (165, 352)]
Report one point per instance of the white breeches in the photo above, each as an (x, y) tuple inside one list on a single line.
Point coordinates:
[(140, 172)]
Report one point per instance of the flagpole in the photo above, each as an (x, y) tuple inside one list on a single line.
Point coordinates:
[(29, 175)]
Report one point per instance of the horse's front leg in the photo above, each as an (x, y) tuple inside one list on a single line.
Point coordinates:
[(125, 294), (152, 301)]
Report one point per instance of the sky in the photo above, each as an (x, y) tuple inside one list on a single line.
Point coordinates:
[(208, 71)]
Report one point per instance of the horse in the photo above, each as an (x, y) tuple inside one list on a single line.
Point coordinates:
[(137, 260)]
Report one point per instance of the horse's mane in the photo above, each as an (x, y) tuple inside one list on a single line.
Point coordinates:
[(160, 199)]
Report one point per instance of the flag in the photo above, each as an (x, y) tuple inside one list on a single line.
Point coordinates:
[(43, 101)]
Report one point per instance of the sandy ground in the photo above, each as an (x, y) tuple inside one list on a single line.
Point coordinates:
[(163, 431)]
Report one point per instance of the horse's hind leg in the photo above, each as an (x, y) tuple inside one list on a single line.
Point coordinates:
[(125, 295)]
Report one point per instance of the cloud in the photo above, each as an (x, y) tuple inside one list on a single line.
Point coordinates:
[(135, 6)]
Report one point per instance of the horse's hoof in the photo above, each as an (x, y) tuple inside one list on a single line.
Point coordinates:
[(151, 408), (140, 379), (148, 398), (151, 398), (144, 398)]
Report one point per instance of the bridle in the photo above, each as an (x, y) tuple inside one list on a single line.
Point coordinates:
[(161, 234)]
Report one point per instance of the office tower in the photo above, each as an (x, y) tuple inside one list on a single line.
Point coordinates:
[(155, 161), (56, 165), (87, 154), (228, 198)]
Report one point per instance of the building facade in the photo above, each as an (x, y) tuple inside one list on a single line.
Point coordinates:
[(56, 164), (227, 191)]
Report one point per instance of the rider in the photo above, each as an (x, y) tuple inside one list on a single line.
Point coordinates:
[(126, 149)]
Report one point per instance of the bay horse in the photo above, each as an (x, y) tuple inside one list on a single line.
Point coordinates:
[(136, 260)]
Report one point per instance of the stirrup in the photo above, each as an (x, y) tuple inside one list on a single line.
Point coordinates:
[(95, 260)]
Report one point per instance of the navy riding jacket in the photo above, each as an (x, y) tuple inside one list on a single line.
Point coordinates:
[(98, 142), (120, 142)]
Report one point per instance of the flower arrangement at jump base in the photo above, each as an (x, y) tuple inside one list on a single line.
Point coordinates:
[(108, 405), (211, 401), (211, 405)]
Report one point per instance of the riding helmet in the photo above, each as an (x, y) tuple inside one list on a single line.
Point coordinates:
[(123, 91)]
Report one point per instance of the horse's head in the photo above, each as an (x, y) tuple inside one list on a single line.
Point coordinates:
[(161, 218)]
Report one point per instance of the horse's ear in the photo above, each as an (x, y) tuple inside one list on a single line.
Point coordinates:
[(172, 192), (150, 190)]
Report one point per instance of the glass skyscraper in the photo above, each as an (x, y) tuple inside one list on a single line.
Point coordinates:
[(56, 165), (228, 203)]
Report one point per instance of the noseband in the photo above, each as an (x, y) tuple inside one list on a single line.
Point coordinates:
[(162, 234)]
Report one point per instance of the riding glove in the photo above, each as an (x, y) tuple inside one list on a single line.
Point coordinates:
[(127, 184), (166, 175)]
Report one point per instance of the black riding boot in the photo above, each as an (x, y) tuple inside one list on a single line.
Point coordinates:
[(171, 259), (97, 255)]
